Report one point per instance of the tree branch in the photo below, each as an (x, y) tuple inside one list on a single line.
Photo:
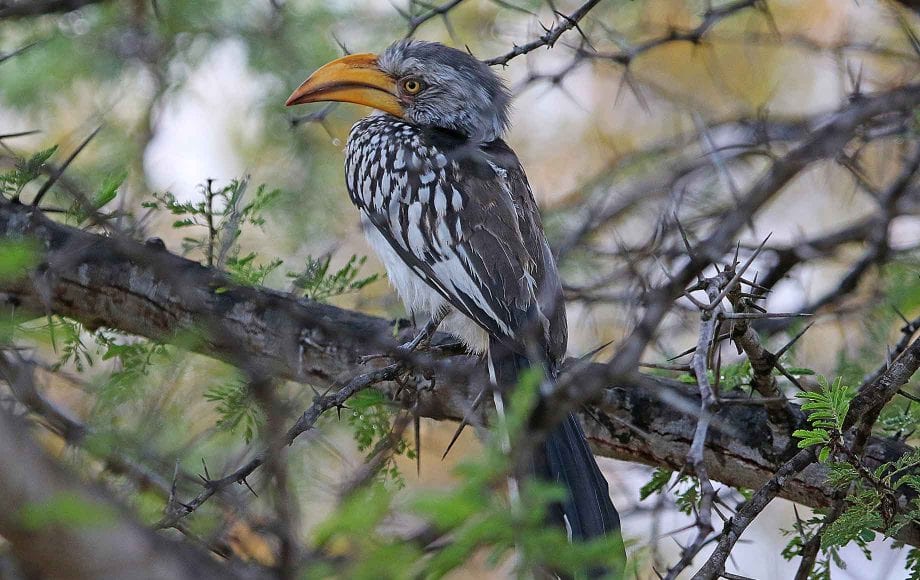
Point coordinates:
[(549, 38)]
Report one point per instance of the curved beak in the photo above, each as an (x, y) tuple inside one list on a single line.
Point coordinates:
[(355, 78)]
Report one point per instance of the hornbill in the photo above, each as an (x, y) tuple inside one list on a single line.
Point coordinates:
[(447, 207)]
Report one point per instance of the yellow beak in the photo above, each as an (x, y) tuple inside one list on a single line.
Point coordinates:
[(355, 78)]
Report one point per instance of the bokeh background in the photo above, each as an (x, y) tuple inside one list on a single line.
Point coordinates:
[(191, 90)]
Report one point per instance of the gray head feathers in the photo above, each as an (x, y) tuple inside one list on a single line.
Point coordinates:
[(459, 91)]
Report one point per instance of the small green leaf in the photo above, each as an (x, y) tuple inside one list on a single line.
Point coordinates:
[(841, 474), (109, 189), (659, 480), (855, 523), (236, 407)]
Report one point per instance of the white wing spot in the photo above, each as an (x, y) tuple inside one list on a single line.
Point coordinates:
[(424, 194), (416, 239), (440, 200), (456, 201)]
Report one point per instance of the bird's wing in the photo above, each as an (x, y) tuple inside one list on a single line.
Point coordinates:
[(465, 221)]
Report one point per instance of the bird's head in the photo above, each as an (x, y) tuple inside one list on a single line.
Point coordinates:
[(424, 83)]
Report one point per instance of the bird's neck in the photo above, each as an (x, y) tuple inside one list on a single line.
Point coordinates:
[(450, 137)]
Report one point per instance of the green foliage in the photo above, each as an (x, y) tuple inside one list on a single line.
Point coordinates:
[(899, 472), (731, 377), (826, 410), (657, 484), (869, 505), (803, 532), (220, 213), (148, 506), (686, 490), (371, 417), (236, 408), (355, 527), (898, 419), (104, 195), (220, 216), (25, 171), (900, 286), (856, 523), (841, 474), (135, 359), (476, 517), (72, 349), (734, 377), (687, 495), (218, 219), (245, 271), (913, 564), (872, 495), (109, 190), (317, 283), (471, 513)]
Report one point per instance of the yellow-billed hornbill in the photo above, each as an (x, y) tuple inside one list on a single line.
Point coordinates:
[(446, 205)]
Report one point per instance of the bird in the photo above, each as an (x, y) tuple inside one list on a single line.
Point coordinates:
[(446, 205)]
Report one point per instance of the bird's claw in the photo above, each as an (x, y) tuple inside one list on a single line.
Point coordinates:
[(421, 342)]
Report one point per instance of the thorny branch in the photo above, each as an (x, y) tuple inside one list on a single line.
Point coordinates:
[(549, 38), (727, 283), (824, 142), (304, 423), (700, 365), (441, 10), (880, 389)]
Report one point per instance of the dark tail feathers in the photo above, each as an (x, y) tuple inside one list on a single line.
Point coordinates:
[(569, 461), (566, 458)]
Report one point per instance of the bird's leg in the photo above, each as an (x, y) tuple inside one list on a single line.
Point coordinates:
[(423, 338), (420, 341)]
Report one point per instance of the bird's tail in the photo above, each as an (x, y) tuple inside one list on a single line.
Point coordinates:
[(565, 458)]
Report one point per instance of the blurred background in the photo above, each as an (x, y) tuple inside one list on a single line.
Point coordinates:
[(190, 91)]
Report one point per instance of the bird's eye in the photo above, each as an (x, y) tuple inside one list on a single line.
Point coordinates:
[(413, 86)]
